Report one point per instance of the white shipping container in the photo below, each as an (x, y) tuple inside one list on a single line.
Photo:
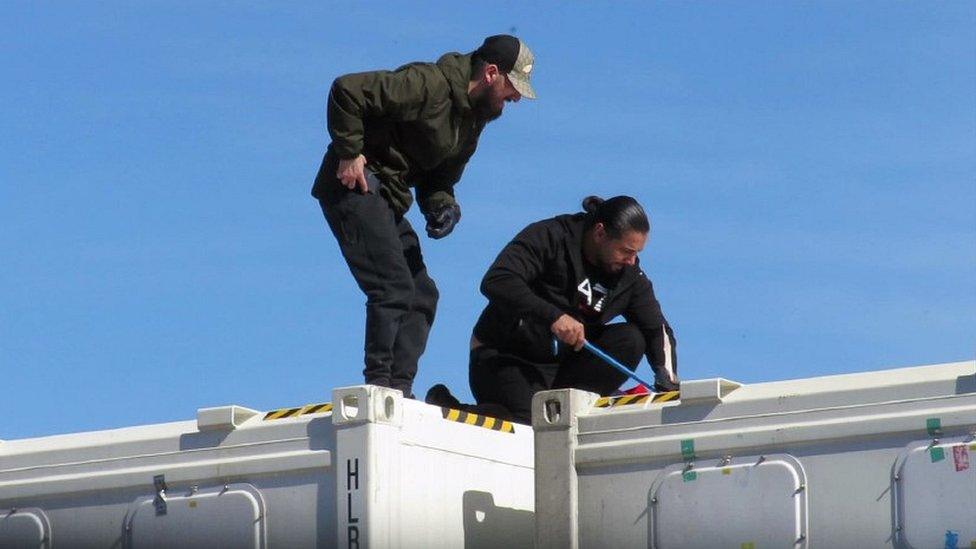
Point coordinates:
[(377, 470), (876, 459)]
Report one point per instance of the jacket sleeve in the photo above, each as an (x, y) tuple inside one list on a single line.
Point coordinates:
[(507, 283), (432, 197), (438, 189), (398, 95), (644, 311)]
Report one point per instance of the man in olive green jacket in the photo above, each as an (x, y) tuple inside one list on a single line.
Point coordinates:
[(416, 127)]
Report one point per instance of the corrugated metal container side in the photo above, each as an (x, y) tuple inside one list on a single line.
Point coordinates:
[(875, 459), (370, 469)]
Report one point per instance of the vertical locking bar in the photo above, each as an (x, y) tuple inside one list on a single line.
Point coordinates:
[(159, 482)]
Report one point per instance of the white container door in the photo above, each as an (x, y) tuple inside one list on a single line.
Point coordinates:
[(749, 502), (23, 528), (936, 493), (218, 517)]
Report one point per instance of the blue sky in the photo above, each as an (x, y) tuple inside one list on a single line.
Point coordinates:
[(809, 169)]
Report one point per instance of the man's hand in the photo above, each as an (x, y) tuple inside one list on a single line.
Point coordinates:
[(441, 221), (351, 174), (569, 331)]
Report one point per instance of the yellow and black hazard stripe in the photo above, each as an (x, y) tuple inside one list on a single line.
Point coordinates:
[(610, 402), (282, 413), (492, 423)]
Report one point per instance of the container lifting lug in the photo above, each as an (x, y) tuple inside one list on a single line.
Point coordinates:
[(159, 483)]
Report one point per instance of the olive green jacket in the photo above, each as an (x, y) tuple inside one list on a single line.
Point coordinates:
[(414, 125)]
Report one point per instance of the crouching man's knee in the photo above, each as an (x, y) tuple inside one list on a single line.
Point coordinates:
[(623, 341)]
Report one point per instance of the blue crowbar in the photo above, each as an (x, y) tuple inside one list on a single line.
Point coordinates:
[(613, 362), (609, 360)]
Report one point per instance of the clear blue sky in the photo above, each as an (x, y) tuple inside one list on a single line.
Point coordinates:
[(809, 169)]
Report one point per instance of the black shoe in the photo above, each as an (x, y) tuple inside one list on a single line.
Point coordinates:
[(666, 385), (439, 395)]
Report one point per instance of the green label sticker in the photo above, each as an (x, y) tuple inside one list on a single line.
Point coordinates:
[(689, 476), (936, 453), (748, 545), (933, 425), (688, 449)]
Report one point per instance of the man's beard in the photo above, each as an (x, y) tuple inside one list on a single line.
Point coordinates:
[(483, 109), (607, 268)]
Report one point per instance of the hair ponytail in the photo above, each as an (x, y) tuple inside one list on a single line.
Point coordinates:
[(618, 215), (591, 203)]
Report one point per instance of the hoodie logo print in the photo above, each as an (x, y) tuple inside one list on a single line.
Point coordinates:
[(591, 297)]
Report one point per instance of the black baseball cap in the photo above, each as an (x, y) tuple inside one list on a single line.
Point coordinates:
[(512, 57)]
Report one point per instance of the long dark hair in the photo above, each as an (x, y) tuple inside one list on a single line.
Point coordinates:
[(618, 215)]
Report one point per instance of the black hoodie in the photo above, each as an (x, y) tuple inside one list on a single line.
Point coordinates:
[(540, 275)]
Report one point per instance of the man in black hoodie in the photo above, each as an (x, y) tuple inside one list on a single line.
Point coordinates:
[(415, 127), (556, 285)]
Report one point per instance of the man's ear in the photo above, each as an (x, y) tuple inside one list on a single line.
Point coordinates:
[(490, 73), (599, 232)]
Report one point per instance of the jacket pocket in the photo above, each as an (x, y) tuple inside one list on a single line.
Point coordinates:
[(341, 214)]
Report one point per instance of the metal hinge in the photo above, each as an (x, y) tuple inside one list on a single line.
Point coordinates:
[(159, 482)]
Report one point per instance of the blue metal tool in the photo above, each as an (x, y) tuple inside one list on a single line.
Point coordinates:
[(613, 362)]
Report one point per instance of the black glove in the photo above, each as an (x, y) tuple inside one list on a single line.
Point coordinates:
[(441, 222), (664, 385)]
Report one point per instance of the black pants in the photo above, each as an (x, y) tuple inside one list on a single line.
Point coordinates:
[(383, 254), (507, 380)]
